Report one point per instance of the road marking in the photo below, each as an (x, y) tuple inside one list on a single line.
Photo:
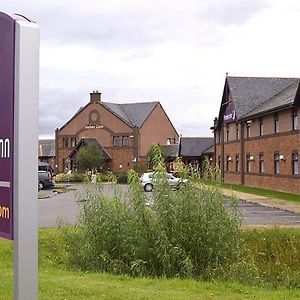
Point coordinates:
[(5, 184)]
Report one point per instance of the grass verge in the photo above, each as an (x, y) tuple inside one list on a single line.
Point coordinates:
[(260, 192), (56, 281)]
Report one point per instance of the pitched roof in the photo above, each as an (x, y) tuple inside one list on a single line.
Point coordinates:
[(248, 93), (283, 98), (134, 114), (46, 148), (194, 146), (171, 150)]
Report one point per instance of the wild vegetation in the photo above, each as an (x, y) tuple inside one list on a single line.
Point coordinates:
[(193, 232), (190, 232)]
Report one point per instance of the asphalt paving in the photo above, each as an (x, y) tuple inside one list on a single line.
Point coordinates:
[(63, 207)]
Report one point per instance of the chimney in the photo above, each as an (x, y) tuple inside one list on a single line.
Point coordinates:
[(95, 97)]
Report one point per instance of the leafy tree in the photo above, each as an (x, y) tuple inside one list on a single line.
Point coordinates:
[(90, 157), (156, 155)]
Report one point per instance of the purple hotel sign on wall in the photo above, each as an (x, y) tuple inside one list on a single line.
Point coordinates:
[(229, 115), (7, 45)]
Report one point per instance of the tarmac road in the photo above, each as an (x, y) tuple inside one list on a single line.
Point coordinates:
[(64, 206)]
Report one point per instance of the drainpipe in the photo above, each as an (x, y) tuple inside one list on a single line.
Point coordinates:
[(242, 159)]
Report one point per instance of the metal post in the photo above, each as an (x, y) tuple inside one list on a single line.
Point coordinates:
[(25, 160)]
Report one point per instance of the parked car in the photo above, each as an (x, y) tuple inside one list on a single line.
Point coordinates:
[(147, 181), (43, 166), (45, 180)]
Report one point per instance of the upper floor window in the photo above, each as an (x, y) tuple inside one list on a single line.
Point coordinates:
[(227, 133), (168, 141), (237, 131), (174, 141), (125, 141), (248, 124), (295, 164), (276, 123), (261, 163), (261, 126), (294, 120), (65, 142), (116, 141), (276, 163), (73, 142)]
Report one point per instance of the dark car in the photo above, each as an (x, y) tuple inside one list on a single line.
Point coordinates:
[(45, 180), (43, 166)]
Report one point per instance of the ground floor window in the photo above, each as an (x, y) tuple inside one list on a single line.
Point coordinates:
[(261, 163), (248, 163), (295, 164), (237, 163), (276, 163)]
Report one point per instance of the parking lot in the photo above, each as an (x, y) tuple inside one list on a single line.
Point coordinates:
[(64, 206)]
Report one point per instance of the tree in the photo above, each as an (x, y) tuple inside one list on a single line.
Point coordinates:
[(156, 155), (90, 157)]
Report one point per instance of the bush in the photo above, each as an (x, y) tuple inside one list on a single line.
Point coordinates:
[(122, 178), (187, 233), (73, 177)]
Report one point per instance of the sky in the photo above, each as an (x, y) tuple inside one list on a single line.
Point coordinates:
[(172, 51)]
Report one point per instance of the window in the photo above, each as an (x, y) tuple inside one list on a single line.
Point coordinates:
[(261, 163), (294, 120), (295, 164), (228, 160), (261, 126), (116, 141), (227, 133), (276, 163), (248, 163), (248, 129), (168, 141), (237, 132), (125, 141), (73, 142), (219, 162), (65, 142), (237, 163), (276, 123), (174, 141)]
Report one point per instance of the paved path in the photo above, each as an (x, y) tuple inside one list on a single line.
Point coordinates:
[(257, 211)]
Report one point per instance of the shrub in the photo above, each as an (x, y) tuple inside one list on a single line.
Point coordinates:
[(73, 177), (121, 178), (187, 233)]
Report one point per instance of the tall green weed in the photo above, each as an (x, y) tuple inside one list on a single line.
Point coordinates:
[(187, 233)]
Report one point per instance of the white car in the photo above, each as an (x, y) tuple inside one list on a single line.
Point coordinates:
[(147, 181)]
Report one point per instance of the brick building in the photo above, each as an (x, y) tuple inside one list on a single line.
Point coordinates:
[(124, 132), (46, 152), (257, 133)]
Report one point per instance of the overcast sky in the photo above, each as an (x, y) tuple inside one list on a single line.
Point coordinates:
[(173, 51)]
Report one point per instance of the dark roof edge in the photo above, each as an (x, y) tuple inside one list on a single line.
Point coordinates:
[(114, 113), (274, 108), (74, 116), (266, 112)]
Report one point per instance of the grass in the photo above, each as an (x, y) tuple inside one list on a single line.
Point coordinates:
[(56, 281), (261, 192)]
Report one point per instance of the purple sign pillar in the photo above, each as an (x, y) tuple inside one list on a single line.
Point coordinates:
[(7, 65)]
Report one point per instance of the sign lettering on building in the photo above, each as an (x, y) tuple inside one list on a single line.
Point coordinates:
[(229, 115), (7, 54), (94, 126)]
